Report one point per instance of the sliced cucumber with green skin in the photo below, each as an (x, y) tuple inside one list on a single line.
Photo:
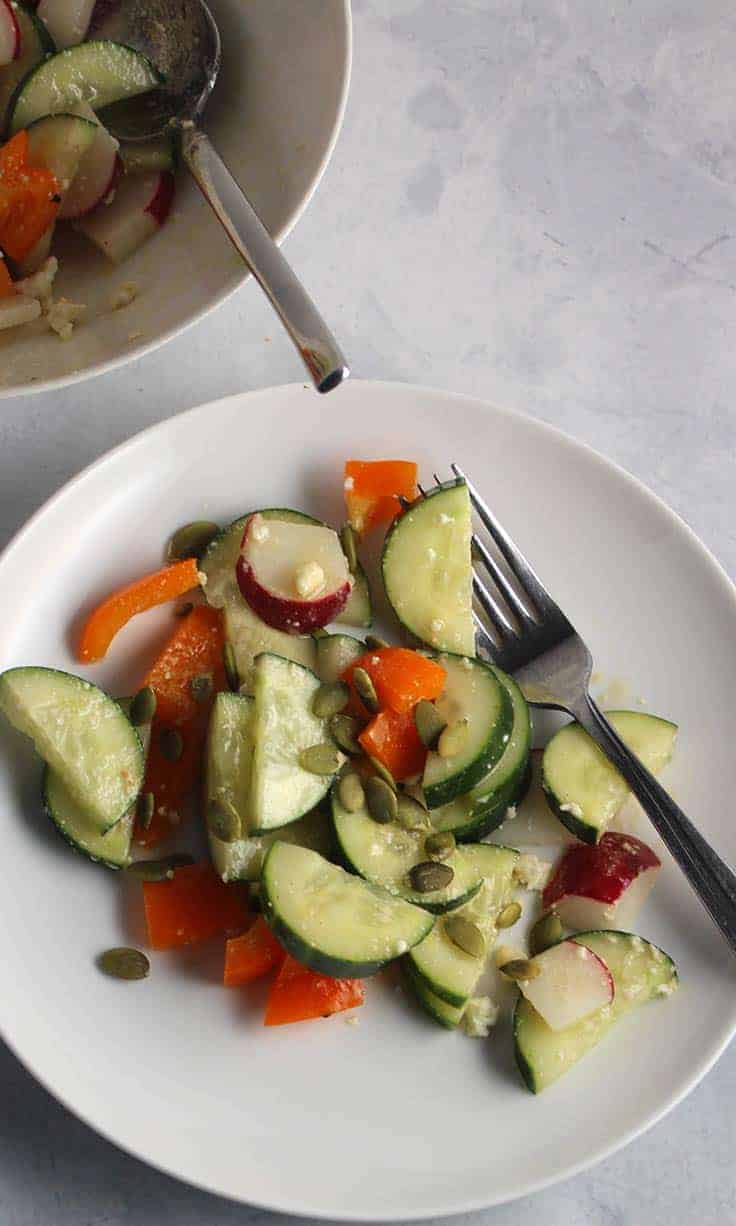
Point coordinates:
[(229, 756), (581, 786), (83, 735), (447, 971), (111, 850), (59, 142), (426, 568), (449, 1016), (334, 653), (220, 557), (243, 859), (359, 608), (473, 693), (144, 157), (284, 725), (640, 973), (36, 44), (331, 921), (97, 72), (483, 809)]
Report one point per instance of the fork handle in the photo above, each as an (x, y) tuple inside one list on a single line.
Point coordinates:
[(712, 879)]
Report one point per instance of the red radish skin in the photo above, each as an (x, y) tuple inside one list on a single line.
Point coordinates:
[(602, 886), (9, 34), (571, 983), (160, 205), (280, 608)]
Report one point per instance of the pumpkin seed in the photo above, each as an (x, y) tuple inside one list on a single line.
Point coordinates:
[(231, 667), (144, 808), (124, 963), (334, 653), (373, 643), (381, 800), (365, 690), (547, 931), (319, 633), (223, 819), (201, 687), (344, 731), (171, 744), (466, 935), (429, 723), (350, 792), (183, 610), (441, 845), (320, 759), (330, 699), (452, 739), (143, 706), (509, 915), (521, 970), (349, 544), (411, 815), (382, 771), (430, 875), (191, 540), (158, 870)]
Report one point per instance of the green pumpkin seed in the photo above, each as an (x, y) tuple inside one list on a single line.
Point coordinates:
[(330, 699), (430, 875), (319, 633), (520, 970), (429, 723), (183, 610), (546, 932), (382, 771), (373, 643), (201, 687), (144, 809), (466, 935), (158, 870), (231, 668), (349, 544), (191, 540), (381, 800), (509, 915), (124, 963), (320, 759), (171, 744), (453, 739), (143, 706), (365, 690), (223, 819), (344, 731), (411, 815), (441, 845), (350, 792)]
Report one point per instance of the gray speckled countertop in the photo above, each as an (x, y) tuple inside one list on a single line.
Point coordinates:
[(535, 204)]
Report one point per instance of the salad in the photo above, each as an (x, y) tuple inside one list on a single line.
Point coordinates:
[(59, 164), (365, 803)]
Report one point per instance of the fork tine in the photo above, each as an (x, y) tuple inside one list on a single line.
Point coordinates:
[(502, 583), (498, 618)]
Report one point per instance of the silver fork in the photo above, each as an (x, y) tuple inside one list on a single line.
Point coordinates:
[(536, 642)]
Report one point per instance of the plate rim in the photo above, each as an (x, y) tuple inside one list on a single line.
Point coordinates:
[(285, 1203)]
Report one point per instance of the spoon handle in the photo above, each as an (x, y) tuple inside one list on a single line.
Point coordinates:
[(316, 345)]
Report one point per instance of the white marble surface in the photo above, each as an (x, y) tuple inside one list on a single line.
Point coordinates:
[(535, 204)]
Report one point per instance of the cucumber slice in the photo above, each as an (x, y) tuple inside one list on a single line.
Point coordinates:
[(83, 735), (439, 1010), (331, 921), (145, 157), (640, 972), (426, 568), (35, 45), (229, 754), (243, 859), (111, 849), (96, 72), (220, 557), (283, 725), (581, 786), (472, 692), (59, 142), (484, 808), (334, 653), (447, 971), (359, 609)]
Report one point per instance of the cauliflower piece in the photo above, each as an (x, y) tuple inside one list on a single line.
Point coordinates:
[(63, 315)]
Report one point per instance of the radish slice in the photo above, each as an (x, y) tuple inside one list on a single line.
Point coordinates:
[(602, 886), (67, 21), (140, 207), (9, 34), (98, 172), (293, 575), (571, 983)]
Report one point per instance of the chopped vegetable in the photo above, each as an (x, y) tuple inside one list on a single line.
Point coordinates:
[(117, 609), (192, 906), (29, 198), (252, 955), (401, 677), (373, 489), (7, 288), (394, 740), (298, 994)]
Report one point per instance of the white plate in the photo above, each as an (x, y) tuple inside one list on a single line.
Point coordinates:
[(275, 117), (393, 1118)]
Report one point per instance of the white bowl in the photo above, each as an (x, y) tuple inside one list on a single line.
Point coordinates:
[(275, 116)]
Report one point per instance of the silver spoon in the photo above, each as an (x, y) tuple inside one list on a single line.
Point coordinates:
[(182, 39)]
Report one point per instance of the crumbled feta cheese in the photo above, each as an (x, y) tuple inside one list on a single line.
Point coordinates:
[(63, 315), (481, 1013), (431, 554), (349, 484), (436, 625), (507, 953), (446, 519), (201, 578), (402, 947), (353, 1020), (259, 529), (532, 872), (510, 813), (126, 294), (466, 663), (666, 989), (309, 579), (572, 809), (40, 283)]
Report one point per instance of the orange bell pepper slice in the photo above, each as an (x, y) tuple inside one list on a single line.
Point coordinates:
[(192, 906), (116, 610), (252, 955), (195, 649), (401, 676), (298, 994), (29, 198), (372, 489), (393, 739)]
